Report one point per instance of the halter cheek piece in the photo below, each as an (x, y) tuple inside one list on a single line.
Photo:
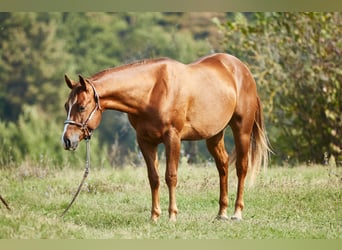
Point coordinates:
[(84, 125)]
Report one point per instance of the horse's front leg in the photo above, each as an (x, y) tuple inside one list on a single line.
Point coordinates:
[(172, 149), (149, 152)]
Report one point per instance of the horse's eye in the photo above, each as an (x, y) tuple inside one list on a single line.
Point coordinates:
[(82, 108)]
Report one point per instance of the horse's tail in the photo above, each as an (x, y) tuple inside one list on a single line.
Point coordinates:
[(258, 154), (259, 146)]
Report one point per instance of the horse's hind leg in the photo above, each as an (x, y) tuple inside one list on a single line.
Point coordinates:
[(242, 129), (216, 148)]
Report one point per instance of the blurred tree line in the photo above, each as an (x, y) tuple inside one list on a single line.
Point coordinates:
[(295, 58)]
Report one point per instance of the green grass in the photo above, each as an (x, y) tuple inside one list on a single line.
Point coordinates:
[(285, 203)]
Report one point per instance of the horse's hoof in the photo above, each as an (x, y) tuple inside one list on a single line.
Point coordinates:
[(173, 218), (222, 217), (236, 218), (154, 219)]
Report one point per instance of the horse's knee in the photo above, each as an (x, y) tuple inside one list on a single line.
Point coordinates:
[(154, 181), (171, 180)]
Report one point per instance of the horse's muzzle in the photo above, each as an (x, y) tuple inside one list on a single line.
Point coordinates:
[(70, 144)]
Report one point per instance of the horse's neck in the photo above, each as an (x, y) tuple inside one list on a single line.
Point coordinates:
[(126, 93)]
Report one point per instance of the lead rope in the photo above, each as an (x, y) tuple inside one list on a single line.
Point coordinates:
[(5, 203), (86, 172)]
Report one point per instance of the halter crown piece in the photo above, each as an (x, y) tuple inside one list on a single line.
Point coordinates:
[(84, 125)]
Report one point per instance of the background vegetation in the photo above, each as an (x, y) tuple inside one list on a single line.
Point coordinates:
[(295, 57)]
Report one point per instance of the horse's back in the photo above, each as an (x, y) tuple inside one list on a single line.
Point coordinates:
[(227, 65), (236, 74)]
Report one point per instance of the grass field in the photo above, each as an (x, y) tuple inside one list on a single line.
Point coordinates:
[(285, 203)]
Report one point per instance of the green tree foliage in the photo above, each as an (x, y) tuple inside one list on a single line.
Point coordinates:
[(32, 62), (296, 59)]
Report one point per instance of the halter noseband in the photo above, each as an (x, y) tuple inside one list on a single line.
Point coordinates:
[(84, 125)]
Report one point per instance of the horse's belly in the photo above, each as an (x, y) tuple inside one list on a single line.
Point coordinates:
[(204, 130), (205, 126), (208, 116)]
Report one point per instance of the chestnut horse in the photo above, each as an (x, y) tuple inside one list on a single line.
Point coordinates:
[(167, 102)]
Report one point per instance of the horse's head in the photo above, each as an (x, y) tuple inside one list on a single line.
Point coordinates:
[(83, 112)]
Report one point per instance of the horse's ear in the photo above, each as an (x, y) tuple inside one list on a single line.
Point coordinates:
[(69, 82), (83, 81)]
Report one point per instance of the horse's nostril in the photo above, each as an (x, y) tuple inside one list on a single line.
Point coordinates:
[(67, 143)]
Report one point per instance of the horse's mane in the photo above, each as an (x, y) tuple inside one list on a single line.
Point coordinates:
[(126, 66)]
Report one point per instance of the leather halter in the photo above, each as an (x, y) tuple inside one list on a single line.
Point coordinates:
[(84, 125)]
